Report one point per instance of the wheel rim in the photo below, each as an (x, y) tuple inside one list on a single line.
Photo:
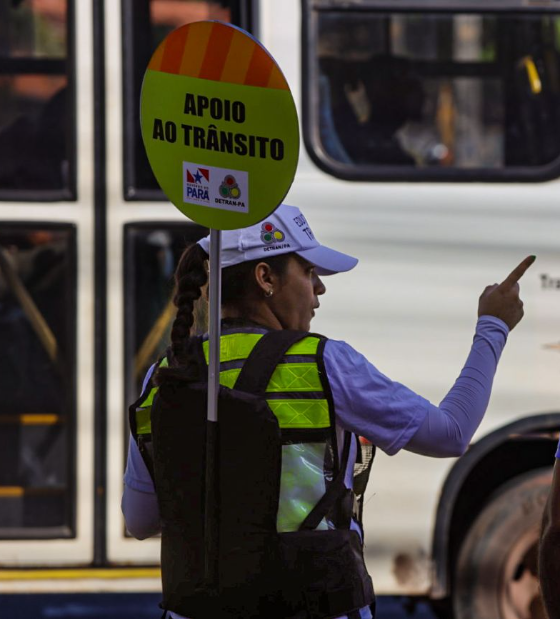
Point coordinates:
[(519, 589)]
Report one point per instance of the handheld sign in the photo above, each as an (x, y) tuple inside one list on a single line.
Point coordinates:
[(221, 133), (219, 125)]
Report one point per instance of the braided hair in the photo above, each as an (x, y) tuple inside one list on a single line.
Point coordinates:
[(191, 275)]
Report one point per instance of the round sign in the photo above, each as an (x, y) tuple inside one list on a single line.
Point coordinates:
[(219, 125)]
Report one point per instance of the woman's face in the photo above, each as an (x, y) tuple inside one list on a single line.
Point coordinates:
[(295, 299)]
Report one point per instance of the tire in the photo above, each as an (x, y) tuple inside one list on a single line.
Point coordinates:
[(496, 571)]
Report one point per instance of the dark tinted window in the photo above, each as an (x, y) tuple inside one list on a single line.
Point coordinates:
[(36, 115), (37, 366), (152, 252), (146, 24), (434, 95)]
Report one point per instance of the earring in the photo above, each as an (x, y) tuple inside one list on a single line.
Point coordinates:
[(268, 293)]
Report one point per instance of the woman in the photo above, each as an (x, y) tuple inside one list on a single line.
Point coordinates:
[(272, 284)]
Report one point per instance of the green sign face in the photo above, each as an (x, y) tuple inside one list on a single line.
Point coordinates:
[(219, 125)]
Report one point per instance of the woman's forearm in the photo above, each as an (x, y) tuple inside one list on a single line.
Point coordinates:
[(448, 429)]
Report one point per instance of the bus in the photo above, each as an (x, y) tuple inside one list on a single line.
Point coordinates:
[(430, 149)]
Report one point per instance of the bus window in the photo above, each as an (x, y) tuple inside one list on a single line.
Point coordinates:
[(432, 96), (37, 131), (146, 23), (152, 253), (37, 367)]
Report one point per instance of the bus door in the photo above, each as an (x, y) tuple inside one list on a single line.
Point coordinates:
[(46, 283), (145, 233)]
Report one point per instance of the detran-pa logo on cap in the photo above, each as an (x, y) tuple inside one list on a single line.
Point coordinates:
[(271, 234)]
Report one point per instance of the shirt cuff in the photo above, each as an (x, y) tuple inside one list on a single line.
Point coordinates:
[(487, 320)]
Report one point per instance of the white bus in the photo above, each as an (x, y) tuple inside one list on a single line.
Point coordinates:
[(430, 150)]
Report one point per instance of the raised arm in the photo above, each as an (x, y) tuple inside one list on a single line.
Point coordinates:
[(392, 416), (448, 429)]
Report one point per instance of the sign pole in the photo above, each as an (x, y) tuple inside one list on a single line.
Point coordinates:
[(215, 292), (211, 512)]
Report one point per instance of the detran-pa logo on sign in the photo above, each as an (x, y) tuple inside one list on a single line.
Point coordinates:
[(218, 188), (230, 188)]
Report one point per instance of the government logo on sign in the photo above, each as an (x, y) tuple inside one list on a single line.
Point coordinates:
[(200, 176), (196, 184)]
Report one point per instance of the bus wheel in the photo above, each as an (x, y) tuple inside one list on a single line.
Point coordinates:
[(496, 573)]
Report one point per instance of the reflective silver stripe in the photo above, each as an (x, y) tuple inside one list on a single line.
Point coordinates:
[(287, 359)]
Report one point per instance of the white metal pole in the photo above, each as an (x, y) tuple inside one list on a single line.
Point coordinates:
[(214, 331), (212, 499)]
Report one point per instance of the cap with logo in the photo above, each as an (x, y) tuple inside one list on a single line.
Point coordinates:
[(283, 231)]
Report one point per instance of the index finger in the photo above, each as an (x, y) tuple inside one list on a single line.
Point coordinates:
[(516, 274)]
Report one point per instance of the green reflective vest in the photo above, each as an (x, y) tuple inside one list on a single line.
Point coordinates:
[(275, 539), (296, 395)]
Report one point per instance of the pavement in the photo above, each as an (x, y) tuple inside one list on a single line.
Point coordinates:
[(129, 605)]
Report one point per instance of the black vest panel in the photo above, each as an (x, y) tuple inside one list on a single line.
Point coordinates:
[(260, 573)]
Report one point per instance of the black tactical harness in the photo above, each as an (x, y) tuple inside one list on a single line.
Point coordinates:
[(260, 573)]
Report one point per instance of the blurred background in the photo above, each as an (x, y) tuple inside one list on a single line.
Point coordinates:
[(430, 149)]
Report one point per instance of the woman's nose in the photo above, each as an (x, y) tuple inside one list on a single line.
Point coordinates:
[(319, 287)]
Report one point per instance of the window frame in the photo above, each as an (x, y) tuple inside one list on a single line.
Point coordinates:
[(391, 173), (52, 66), (247, 19), (64, 531), (130, 392), (445, 6), (129, 229)]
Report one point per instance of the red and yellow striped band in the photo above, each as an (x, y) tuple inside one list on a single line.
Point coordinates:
[(216, 51)]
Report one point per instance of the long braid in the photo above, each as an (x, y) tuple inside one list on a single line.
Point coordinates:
[(190, 277)]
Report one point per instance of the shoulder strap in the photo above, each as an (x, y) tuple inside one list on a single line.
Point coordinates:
[(199, 360), (143, 396), (328, 395), (263, 359), (143, 442), (335, 491)]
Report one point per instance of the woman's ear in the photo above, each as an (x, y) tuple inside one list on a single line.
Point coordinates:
[(265, 278)]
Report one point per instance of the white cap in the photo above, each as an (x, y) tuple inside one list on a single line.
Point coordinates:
[(286, 230)]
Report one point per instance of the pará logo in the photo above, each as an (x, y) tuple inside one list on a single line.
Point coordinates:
[(200, 176), (197, 181)]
